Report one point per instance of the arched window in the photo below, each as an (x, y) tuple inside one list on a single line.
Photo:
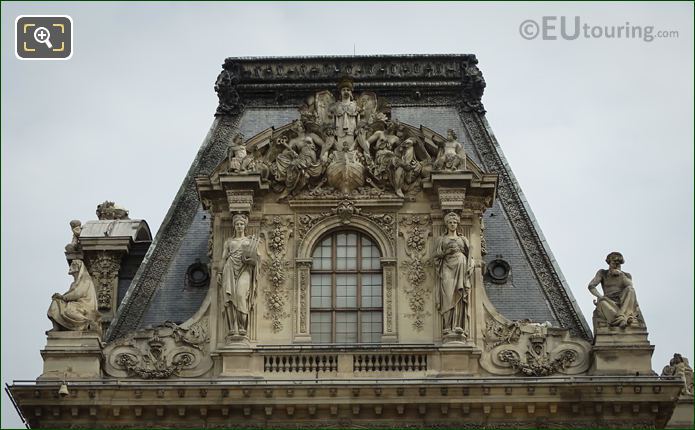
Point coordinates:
[(346, 285)]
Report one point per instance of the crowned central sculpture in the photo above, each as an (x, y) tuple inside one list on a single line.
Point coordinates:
[(346, 144)]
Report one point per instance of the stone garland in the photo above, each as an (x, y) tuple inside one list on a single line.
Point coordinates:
[(521, 223), (277, 234), (415, 233)]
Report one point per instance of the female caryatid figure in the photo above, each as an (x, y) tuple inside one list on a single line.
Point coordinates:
[(454, 267), (239, 277)]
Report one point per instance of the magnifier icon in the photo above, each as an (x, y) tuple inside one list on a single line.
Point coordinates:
[(42, 35)]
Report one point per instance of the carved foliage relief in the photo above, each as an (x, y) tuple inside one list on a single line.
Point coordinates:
[(416, 230), (103, 269), (276, 232)]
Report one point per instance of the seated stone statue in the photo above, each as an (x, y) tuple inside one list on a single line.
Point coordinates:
[(76, 310), (618, 304), (239, 160), (451, 155), (678, 366)]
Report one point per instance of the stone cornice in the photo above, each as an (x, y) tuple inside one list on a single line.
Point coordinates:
[(579, 401), (423, 79)]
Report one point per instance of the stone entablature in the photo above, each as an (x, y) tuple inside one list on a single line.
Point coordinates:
[(606, 402)]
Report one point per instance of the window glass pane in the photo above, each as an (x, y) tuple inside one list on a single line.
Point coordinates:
[(370, 255), (322, 256), (346, 258), (371, 290), (320, 291), (346, 327), (346, 291), (371, 327), (321, 327)]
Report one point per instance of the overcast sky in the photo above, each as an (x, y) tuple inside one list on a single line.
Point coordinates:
[(599, 132)]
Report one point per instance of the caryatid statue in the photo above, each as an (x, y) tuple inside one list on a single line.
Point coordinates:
[(76, 310), (454, 267), (618, 304), (239, 277)]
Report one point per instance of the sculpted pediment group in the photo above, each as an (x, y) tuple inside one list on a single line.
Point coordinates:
[(345, 145)]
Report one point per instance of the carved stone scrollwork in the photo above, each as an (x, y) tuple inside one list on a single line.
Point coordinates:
[(538, 362), (415, 231), (346, 210), (497, 333), (532, 349), (104, 269), (473, 86), (225, 87), (276, 232), (161, 352)]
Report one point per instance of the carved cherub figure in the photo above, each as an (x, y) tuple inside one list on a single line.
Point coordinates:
[(76, 228)]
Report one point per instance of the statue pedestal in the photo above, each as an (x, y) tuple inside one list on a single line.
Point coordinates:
[(238, 360), (71, 355), (457, 359), (621, 351)]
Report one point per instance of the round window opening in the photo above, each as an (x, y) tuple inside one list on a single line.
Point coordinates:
[(198, 275), (499, 271)]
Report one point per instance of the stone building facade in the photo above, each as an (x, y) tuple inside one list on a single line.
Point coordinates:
[(348, 248)]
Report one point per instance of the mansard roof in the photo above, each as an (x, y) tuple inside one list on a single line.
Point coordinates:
[(435, 91)]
